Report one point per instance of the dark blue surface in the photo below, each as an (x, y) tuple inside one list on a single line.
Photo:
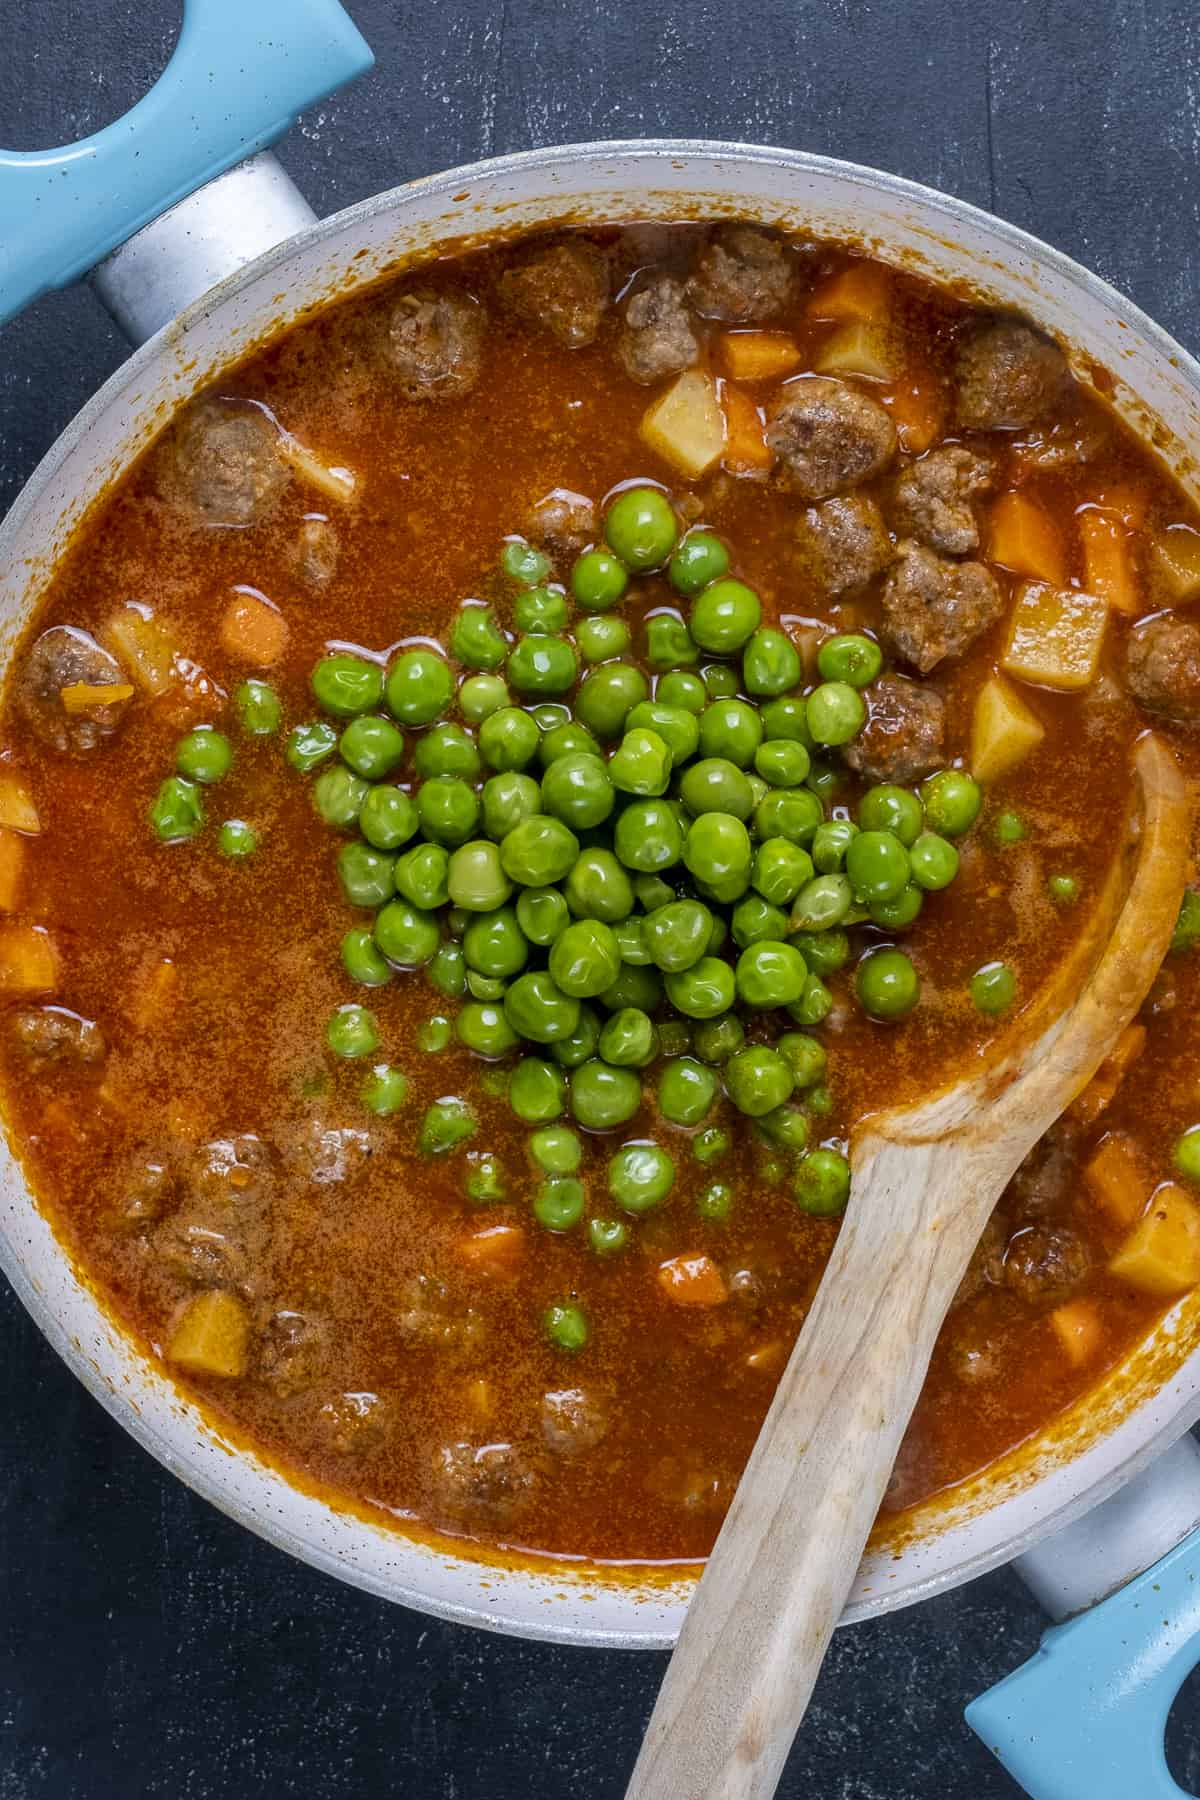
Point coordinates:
[(147, 1646)]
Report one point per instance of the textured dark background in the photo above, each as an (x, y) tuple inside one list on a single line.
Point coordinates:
[(149, 1647)]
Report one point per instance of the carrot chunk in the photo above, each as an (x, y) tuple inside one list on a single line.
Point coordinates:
[(746, 451), (28, 960), (1026, 539), (82, 697), (1078, 1327), (1101, 1090), (1108, 560), (496, 1250), (253, 630), (918, 412), (692, 1281), (759, 355), (1114, 1175), (863, 290)]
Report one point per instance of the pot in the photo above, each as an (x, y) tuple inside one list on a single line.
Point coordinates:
[(206, 281)]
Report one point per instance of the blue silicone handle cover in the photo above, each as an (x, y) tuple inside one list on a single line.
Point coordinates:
[(241, 72), (1085, 1718)]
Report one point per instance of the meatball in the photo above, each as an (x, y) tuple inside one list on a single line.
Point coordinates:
[(573, 1420), (904, 738), (1044, 1263), (435, 344), (744, 276), (1162, 667), (293, 1352), (843, 543), (482, 1483), (64, 657), (354, 1423), (828, 437), (1046, 1178), (563, 288), (219, 1236), (656, 337), (317, 552), (143, 1194), (562, 522), (429, 1318), (328, 1154), (224, 466), (52, 1034), (1008, 376), (933, 608), (933, 499)]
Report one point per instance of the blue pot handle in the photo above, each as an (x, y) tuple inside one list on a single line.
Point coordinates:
[(241, 72), (1085, 1718)]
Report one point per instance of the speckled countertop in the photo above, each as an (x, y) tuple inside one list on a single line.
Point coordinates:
[(149, 1647)]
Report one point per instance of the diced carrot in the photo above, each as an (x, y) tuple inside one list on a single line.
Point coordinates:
[(82, 697), (746, 451), (1079, 1330), (1108, 560), (692, 1281), (862, 290), (917, 410), (28, 960), (12, 866), (1026, 539), (496, 1250), (766, 1358), (156, 996), (144, 645), (253, 629), (17, 809), (1114, 1175), (1101, 1090), (759, 355)]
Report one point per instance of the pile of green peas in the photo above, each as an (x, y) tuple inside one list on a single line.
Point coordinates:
[(204, 756)]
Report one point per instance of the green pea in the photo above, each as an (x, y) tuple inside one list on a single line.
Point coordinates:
[(448, 809), (716, 785), (652, 892), (539, 851), (787, 719), (830, 843), (790, 813), (892, 809), (887, 985), (489, 988), (543, 665), (732, 730), (640, 527), (682, 691), (677, 935), (669, 643), (806, 1058), (352, 1031), (674, 725), (480, 696), (836, 712), (542, 913), (457, 919), (419, 687), (757, 1080), (538, 1009), (1064, 891), (338, 795), (506, 800), (485, 1183), (568, 739), (422, 876), (448, 1123), (814, 1004), (509, 739), (406, 935), (756, 921), (724, 615), (717, 1039), (537, 1090), (780, 870), (933, 861), (523, 563), (1008, 828), (541, 611), (597, 887), (372, 747), (570, 1052), (494, 944), (178, 811), (566, 1326), (577, 790), (825, 951), (781, 764), (1187, 924), (387, 817), (686, 1091), (368, 876), (640, 1176), (952, 801), (475, 878), (993, 987), (447, 971), (444, 749), (877, 866), (822, 1184), (718, 853), (786, 1128), (901, 911), (607, 1236), (850, 658), (648, 836), (482, 1028), (347, 685), (434, 1035), (237, 840), (259, 709), (704, 990), (770, 974), (476, 640), (699, 560), (585, 958), (714, 1203), (556, 1149), (598, 580), (601, 637), (204, 755), (558, 1203), (602, 1096), (770, 664), (674, 1037), (309, 745), (629, 1039), (710, 1146), (384, 1090), (720, 682), (362, 961), (641, 764)]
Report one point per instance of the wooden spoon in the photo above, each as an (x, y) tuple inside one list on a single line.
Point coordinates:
[(925, 1181)]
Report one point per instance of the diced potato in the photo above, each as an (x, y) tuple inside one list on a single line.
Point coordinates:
[(862, 347), (12, 868), (1078, 1327), (1054, 636), (1161, 1255), (1115, 1178), (692, 1281), (918, 413), (253, 629), (1108, 560), (1004, 731), (686, 425), (335, 483), (28, 960), (212, 1335), (17, 810), (1126, 500), (144, 646), (1101, 1090), (1176, 553), (759, 355), (1024, 538), (861, 291), (746, 450)]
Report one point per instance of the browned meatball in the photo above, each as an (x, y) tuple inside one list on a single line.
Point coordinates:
[(220, 1234), (354, 1423), (317, 552), (843, 543), (293, 1352), (562, 522), (61, 658), (430, 1317), (744, 275), (563, 288), (52, 1034), (435, 344), (1045, 1262), (490, 1483), (223, 465), (933, 608), (904, 738), (143, 1194), (327, 1154), (933, 499), (1008, 376), (656, 338), (1162, 666), (573, 1420), (828, 437)]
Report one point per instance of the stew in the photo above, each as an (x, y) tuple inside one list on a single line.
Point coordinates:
[(506, 783)]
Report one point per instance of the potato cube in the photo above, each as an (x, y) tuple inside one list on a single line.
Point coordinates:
[(1161, 1255), (212, 1335), (1054, 636), (17, 809), (685, 425), (28, 960), (759, 355), (1004, 731), (862, 347), (1026, 539), (137, 638), (1176, 553)]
